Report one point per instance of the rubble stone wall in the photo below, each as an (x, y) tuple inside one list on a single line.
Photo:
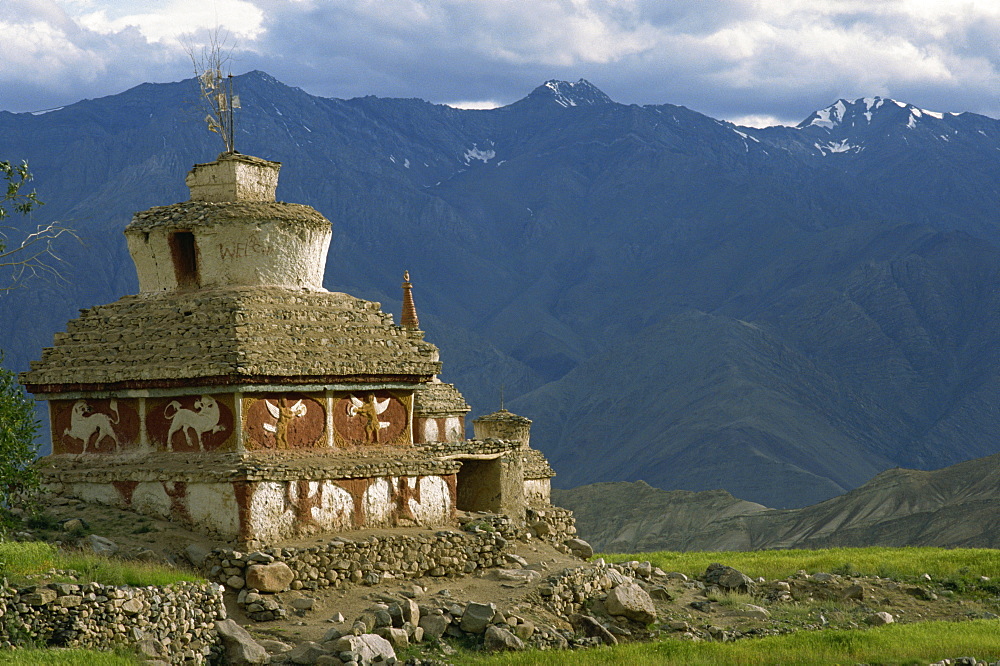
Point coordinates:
[(552, 523), (369, 559), (174, 623)]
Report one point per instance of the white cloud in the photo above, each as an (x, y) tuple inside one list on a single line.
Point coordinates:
[(475, 105), (727, 58), (755, 120), (171, 22)]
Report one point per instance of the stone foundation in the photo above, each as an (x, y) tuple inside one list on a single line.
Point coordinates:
[(344, 561)]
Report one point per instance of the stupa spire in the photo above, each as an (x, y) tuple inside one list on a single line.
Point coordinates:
[(409, 317)]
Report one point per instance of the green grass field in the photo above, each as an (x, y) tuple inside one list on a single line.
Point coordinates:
[(893, 644), (53, 657), (21, 559), (897, 563)]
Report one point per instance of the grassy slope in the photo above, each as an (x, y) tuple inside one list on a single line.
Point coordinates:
[(893, 644), (21, 559), (923, 642), (900, 563)]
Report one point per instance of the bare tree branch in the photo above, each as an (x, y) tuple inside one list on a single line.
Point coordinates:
[(217, 89), (34, 256)]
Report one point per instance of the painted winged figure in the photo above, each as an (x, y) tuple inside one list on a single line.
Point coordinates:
[(282, 418), (370, 410)]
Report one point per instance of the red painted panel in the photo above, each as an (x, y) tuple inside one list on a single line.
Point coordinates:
[(109, 425), (284, 421), (191, 423)]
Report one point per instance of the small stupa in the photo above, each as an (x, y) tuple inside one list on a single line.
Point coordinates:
[(236, 395)]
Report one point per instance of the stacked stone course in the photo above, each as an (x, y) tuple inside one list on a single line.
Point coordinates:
[(345, 561), (174, 623)]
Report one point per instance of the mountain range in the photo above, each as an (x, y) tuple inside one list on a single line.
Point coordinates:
[(954, 507), (781, 312)]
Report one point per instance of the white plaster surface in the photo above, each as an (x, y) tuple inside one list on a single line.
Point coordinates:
[(214, 506), (268, 516), (375, 503), (150, 498), (259, 252), (537, 491), (453, 429), (336, 510), (233, 180), (265, 253), (435, 501), (97, 493), (430, 430)]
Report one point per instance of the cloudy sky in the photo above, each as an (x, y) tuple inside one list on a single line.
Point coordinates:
[(750, 61)]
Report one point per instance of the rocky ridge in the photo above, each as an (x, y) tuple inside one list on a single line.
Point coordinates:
[(951, 507)]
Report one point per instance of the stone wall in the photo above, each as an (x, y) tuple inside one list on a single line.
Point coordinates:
[(175, 623), (569, 590), (551, 523), (344, 561)]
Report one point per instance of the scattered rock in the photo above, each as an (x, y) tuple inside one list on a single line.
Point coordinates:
[(631, 601), (758, 612), (303, 604), (879, 619), (518, 575), (196, 554), (580, 548), (398, 638), (368, 648), (240, 647), (854, 592), (589, 626), (273, 577), (306, 652), (476, 616), (498, 639), (74, 524), (727, 578), (100, 545), (433, 625)]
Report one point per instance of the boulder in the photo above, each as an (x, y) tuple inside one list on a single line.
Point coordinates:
[(518, 575), (727, 578), (306, 652), (74, 524), (855, 592), (396, 636), (369, 648), (631, 601), (580, 548), (196, 554), (589, 626), (757, 612), (476, 616), (101, 545), (879, 619), (433, 625), (273, 577), (498, 639), (239, 646)]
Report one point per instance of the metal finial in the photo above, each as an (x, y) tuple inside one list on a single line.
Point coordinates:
[(409, 317)]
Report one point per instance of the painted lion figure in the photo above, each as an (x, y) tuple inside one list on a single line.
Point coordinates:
[(204, 418), (85, 423)]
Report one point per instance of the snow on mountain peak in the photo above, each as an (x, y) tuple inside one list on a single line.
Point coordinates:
[(844, 113), (566, 93)]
